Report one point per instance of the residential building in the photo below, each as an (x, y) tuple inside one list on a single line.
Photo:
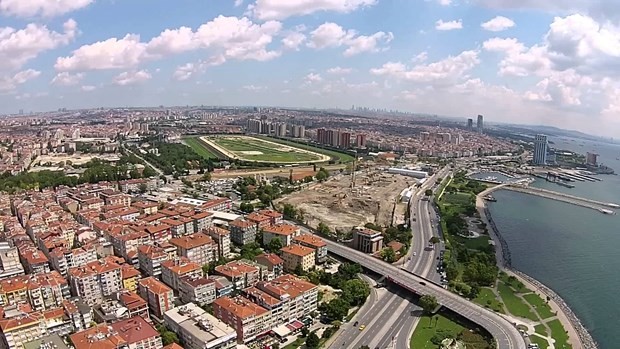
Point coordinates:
[(259, 220), (480, 124), (53, 341), (199, 290), (158, 296), (242, 232), (130, 277), (198, 329), (223, 286), (101, 336), (241, 273), (198, 248), (173, 270), (138, 333), (287, 297), (297, 256), (221, 237), (275, 217), (21, 328), (9, 261), (150, 258), (95, 280), (247, 318), (314, 242), (367, 240), (273, 262), (284, 232)]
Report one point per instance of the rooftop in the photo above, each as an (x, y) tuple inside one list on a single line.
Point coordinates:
[(297, 250)]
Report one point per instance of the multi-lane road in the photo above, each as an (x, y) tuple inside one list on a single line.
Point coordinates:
[(390, 318)]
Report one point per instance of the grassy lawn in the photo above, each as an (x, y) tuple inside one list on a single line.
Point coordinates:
[(514, 304), (296, 344), (542, 308), (541, 329), (478, 243), (487, 299), (421, 338), (514, 283), (342, 157), (457, 198), (542, 343), (559, 334), (200, 149)]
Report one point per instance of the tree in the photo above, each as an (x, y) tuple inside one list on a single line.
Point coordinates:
[(168, 337), (323, 229), (364, 347), (246, 207), (322, 175), (206, 177), (428, 303), (305, 331), (289, 211), (428, 192), (336, 309), (142, 188), (312, 341), (388, 255), (434, 240), (274, 245), (355, 291)]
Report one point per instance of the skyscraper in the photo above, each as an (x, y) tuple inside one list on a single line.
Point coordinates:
[(480, 123), (540, 150), (470, 124)]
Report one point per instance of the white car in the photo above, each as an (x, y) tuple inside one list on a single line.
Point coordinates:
[(414, 253)]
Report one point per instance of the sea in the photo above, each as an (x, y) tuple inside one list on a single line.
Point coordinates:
[(573, 250)]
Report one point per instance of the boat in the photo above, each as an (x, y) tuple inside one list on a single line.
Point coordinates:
[(490, 198), (604, 211)]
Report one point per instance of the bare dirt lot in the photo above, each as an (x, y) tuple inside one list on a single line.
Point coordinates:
[(339, 206)]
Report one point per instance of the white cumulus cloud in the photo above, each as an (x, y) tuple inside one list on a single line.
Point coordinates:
[(129, 78), (67, 79), (333, 35), (281, 9), (449, 25), (498, 24), (45, 8)]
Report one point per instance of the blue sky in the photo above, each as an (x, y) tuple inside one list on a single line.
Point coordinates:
[(522, 61)]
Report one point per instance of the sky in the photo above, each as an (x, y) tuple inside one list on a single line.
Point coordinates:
[(519, 61)]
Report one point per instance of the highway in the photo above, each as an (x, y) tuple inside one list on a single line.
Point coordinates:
[(389, 320), (504, 333)]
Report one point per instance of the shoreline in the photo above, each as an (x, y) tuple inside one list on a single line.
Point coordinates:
[(579, 337)]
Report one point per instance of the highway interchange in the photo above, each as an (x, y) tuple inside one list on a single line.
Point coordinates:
[(390, 318)]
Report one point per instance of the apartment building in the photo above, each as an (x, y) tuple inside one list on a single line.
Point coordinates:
[(242, 232), (259, 220), (221, 238), (298, 256), (198, 329), (158, 296), (100, 336), (173, 270), (21, 328), (285, 232), (41, 291), (198, 248), (247, 318), (62, 259), (9, 261), (301, 296), (130, 277), (95, 280), (241, 273), (273, 262), (274, 216), (199, 290), (314, 242), (150, 258), (138, 333)]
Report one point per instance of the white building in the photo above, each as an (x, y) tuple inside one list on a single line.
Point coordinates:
[(540, 150), (198, 329)]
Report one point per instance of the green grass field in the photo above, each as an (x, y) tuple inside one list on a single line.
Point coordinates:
[(199, 148), (559, 334), (478, 243), (487, 299), (541, 329), (515, 305), (542, 343), (421, 338), (255, 149), (457, 198), (542, 308), (337, 156)]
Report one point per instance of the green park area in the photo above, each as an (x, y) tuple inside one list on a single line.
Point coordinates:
[(431, 330)]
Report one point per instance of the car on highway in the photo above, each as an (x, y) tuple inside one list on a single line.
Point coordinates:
[(362, 327)]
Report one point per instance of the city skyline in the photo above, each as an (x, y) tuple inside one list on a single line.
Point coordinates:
[(550, 66)]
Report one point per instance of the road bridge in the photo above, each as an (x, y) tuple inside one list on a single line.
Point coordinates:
[(505, 333)]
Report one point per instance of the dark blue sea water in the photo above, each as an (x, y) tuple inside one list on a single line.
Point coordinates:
[(571, 249)]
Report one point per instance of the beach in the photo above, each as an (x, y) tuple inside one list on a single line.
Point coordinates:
[(579, 337)]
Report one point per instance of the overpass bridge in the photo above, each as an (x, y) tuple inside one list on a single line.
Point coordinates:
[(604, 207), (505, 333)]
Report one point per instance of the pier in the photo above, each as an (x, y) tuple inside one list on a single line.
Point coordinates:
[(603, 207)]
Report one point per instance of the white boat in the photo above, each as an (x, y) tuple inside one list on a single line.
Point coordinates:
[(606, 211)]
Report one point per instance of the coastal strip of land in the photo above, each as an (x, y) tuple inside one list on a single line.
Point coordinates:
[(579, 337)]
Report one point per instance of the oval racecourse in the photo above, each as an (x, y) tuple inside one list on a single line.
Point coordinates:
[(252, 149)]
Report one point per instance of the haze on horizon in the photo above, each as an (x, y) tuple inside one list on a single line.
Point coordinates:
[(524, 62)]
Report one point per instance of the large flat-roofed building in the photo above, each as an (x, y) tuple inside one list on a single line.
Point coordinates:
[(198, 329), (367, 240)]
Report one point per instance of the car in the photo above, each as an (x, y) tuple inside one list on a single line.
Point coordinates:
[(362, 327), (414, 253), (422, 283), (356, 323)]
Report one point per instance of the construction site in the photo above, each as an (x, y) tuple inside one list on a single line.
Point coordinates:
[(345, 200)]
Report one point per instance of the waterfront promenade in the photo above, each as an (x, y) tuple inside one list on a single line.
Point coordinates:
[(553, 195), (579, 337)]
